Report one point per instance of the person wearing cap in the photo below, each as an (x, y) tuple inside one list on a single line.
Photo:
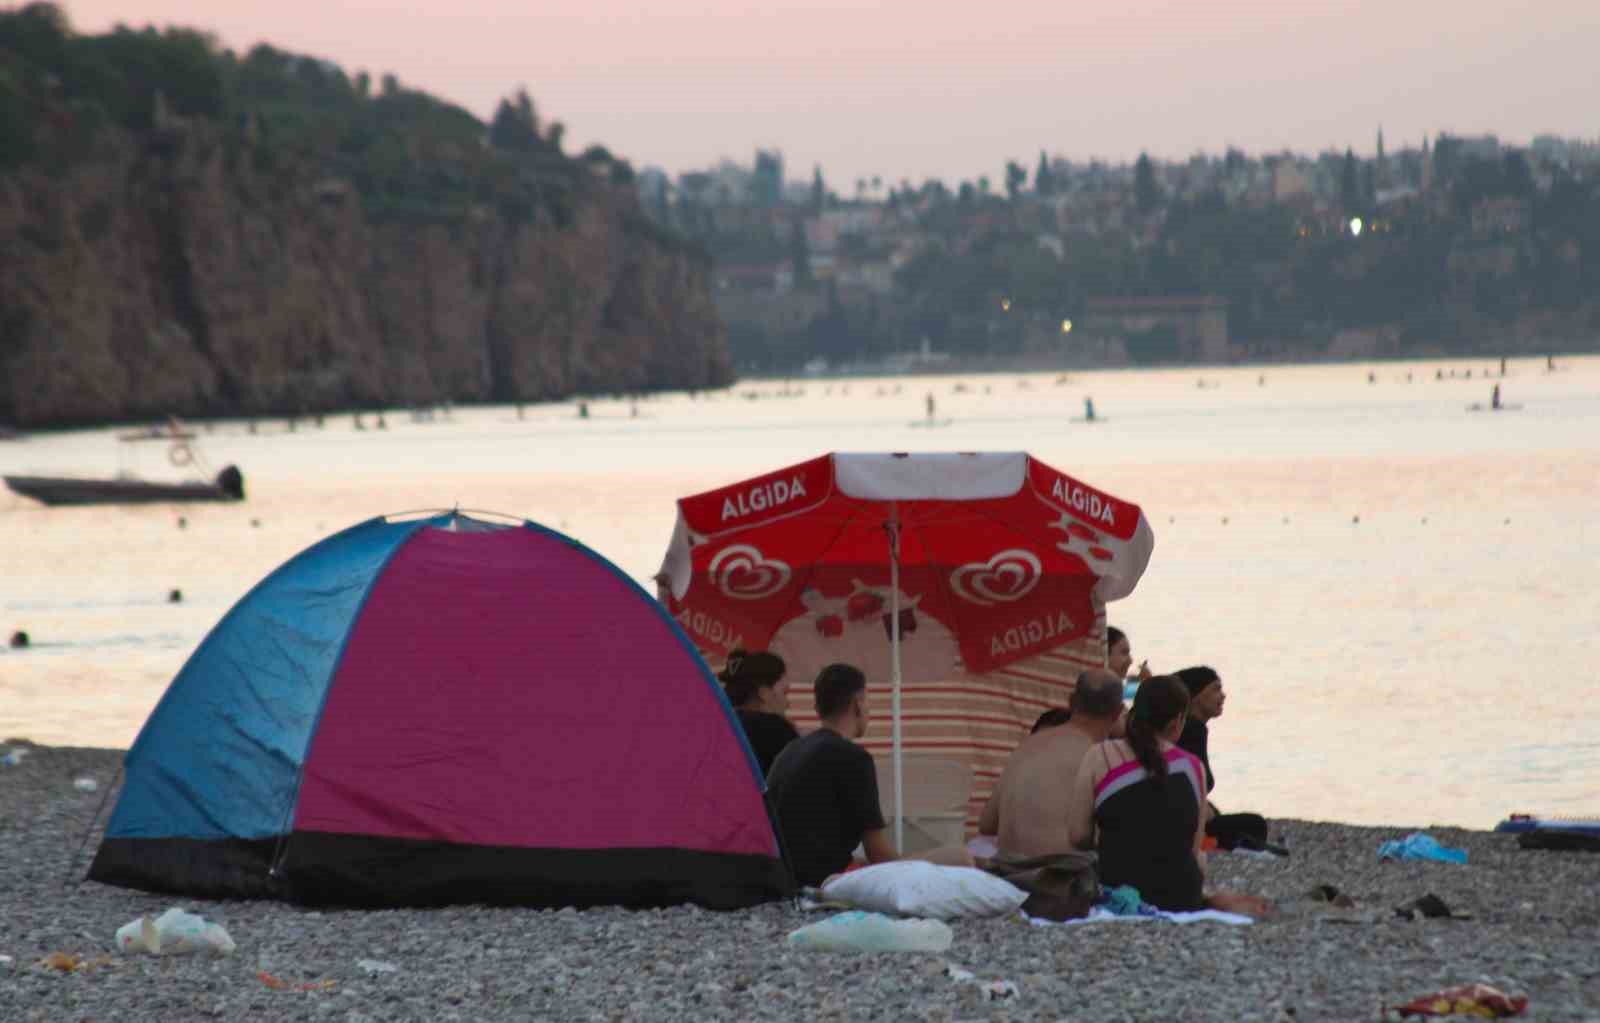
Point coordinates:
[(1206, 698), (759, 695)]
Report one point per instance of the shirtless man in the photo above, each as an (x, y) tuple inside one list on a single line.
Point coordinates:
[(1028, 810)]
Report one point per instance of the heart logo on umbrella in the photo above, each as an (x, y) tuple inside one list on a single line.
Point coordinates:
[(1009, 575), (741, 572)]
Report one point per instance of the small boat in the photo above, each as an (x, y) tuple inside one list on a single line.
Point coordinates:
[(228, 486)]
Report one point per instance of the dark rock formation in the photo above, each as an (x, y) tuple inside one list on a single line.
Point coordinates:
[(170, 275)]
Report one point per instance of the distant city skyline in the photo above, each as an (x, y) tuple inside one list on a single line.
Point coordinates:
[(936, 89)]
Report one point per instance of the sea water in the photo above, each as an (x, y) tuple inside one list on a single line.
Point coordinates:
[(1400, 593)]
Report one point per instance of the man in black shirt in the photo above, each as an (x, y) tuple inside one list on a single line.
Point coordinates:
[(824, 787)]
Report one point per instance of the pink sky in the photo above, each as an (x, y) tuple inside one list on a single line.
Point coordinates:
[(909, 89)]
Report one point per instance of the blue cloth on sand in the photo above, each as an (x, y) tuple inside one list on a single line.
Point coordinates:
[(1417, 846)]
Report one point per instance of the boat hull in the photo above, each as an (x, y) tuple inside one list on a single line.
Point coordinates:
[(57, 490)]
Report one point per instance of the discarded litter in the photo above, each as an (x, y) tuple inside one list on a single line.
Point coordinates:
[(66, 962), (1417, 846), (279, 984), (13, 757), (174, 932), (1429, 907), (992, 990), (376, 966), (1479, 1000), (857, 931), (85, 784), (1331, 895)]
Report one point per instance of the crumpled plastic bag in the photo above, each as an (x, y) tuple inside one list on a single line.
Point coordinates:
[(174, 932), (1417, 846), (1478, 1000)]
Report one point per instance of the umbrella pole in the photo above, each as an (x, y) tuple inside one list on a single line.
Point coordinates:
[(894, 674)]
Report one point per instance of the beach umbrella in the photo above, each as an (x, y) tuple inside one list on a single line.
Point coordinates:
[(914, 566)]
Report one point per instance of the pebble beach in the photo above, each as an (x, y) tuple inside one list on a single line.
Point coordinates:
[(1534, 929)]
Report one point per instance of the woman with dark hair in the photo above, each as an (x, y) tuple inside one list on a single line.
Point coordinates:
[(1119, 654), (759, 694), (1146, 798)]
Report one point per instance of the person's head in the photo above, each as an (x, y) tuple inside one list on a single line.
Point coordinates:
[(1159, 710), (841, 699), (754, 681), (1098, 695), (1055, 717), (1205, 692), (1119, 652)]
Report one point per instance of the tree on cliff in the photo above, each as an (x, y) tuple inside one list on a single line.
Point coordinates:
[(515, 126), (1016, 177), (1146, 193), (1044, 180)]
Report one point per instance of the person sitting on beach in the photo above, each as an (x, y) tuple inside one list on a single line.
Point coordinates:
[(823, 788), (1027, 810), (1206, 698), (1139, 802), (759, 694), (1119, 655)]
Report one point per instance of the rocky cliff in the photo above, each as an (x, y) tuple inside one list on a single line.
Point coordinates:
[(175, 272)]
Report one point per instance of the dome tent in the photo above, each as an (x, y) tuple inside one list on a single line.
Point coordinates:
[(445, 710)]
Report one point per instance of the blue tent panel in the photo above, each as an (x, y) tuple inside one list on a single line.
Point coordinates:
[(220, 757)]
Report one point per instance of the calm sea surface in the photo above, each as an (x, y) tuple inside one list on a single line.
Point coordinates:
[(1400, 593)]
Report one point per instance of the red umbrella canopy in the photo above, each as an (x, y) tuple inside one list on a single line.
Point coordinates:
[(1001, 558)]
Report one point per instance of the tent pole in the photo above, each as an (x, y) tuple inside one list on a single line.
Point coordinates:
[(894, 674)]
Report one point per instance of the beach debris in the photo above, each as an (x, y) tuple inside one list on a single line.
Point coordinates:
[(279, 984), (858, 931), (85, 784), (373, 967), (1331, 895), (67, 962), (1429, 907), (1478, 1000), (1418, 846), (174, 932), (13, 756), (991, 990)]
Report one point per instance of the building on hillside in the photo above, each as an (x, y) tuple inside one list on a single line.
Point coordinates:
[(1289, 181), (1199, 323), (1499, 216)]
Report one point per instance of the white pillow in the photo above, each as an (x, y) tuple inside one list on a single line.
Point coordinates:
[(915, 888)]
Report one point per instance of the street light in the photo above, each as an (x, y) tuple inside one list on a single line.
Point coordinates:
[(1066, 326), (1355, 227)]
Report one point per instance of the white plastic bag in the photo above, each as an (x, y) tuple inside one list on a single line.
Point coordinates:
[(174, 932), (856, 931), (915, 888)]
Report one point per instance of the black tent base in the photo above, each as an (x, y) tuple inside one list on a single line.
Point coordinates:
[(313, 868)]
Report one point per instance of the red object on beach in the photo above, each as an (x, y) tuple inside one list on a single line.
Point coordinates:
[(1006, 555), (995, 602), (1478, 1000)]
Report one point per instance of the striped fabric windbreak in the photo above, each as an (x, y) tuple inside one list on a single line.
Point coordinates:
[(977, 719)]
